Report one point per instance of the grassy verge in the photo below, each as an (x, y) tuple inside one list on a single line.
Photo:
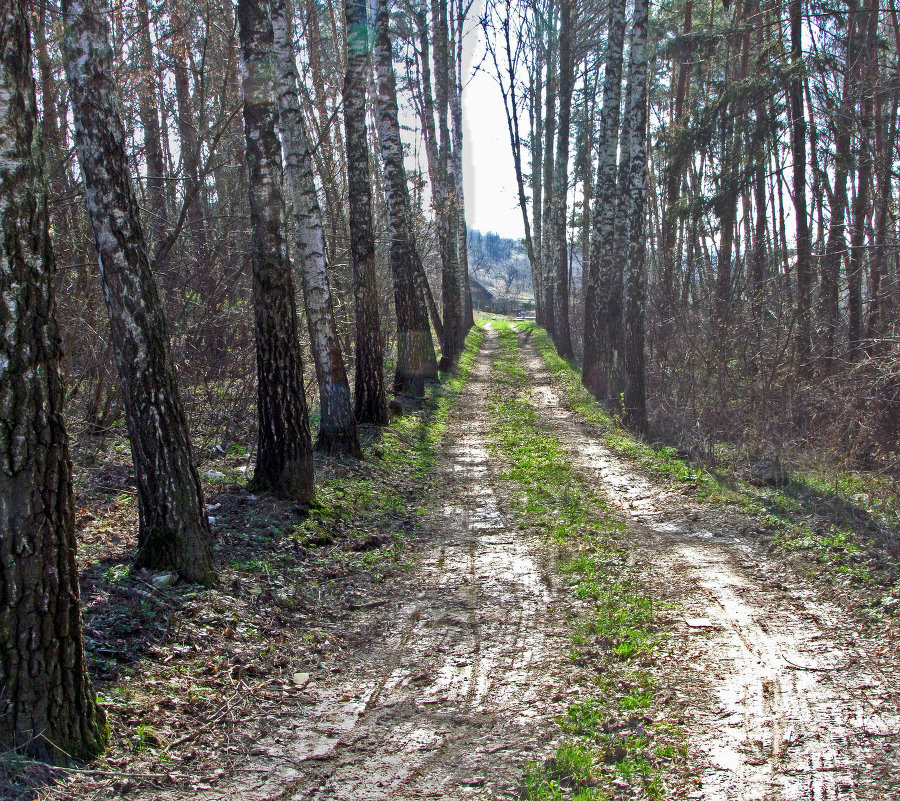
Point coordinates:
[(845, 522), (609, 734)]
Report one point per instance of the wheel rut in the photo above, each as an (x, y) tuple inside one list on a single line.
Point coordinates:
[(450, 695), (773, 684)]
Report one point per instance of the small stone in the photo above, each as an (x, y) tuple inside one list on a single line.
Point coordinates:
[(301, 680), (164, 580), (215, 475)]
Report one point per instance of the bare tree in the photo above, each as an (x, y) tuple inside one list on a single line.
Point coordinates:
[(284, 445), (337, 425), (174, 530)]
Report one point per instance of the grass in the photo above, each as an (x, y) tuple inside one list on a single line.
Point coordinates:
[(616, 629), (841, 519)]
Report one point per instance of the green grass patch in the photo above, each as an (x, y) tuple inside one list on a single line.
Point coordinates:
[(616, 629)]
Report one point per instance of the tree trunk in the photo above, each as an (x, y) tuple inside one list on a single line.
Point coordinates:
[(174, 530), (445, 186), (635, 411), (284, 449), (560, 278), (674, 170), (370, 398), (862, 201), (337, 423), (149, 113), (547, 236), (597, 308), (416, 361), (801, 219), (48, 708), (829, 310), (456, 113), (537, 174)]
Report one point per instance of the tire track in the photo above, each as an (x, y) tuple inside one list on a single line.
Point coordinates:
[(769, 676)]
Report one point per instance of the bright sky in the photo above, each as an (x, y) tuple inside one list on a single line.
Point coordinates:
[(489, 175)]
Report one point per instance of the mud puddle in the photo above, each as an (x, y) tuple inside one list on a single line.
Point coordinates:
[(780, 697)]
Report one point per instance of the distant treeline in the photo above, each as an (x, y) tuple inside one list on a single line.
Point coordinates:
[(499, 263)]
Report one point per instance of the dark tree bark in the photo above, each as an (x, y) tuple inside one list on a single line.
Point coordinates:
[(371, 401), (560, 270), (835, 247), (284, 462), (337, 422), (862, 199), (597, 309), (174, 530), (674, 170), (635, 411), (448, 218), (547, 232), (149, 113), (416, 361), (48, 707), (798, 151), (456, 89)]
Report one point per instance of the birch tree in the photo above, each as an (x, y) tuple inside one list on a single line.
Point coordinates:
[(416, 362), (174, 530), (635, 276), (284, 445), (597, 321), (337, 426), (47, 704)]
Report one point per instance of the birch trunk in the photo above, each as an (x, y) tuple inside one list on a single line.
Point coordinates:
[(635, 410), (560, 271), (284, 462), (596, 367), (174, 530), (448, 237), (370, 400), (547, 233), (416, 361), (48, 708), (337, 426)]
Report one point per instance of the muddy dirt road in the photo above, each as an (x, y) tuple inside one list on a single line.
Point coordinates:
[(453, 677), (450, 684), (781, 698)]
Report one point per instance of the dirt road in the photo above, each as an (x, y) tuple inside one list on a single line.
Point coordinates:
[(781, 698), (453, 677)]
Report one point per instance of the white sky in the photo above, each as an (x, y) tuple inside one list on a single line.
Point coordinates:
[(488, 172)]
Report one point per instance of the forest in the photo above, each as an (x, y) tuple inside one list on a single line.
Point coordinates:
[(286, 513)]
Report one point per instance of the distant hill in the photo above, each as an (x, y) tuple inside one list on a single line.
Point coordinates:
[(500, 264)]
